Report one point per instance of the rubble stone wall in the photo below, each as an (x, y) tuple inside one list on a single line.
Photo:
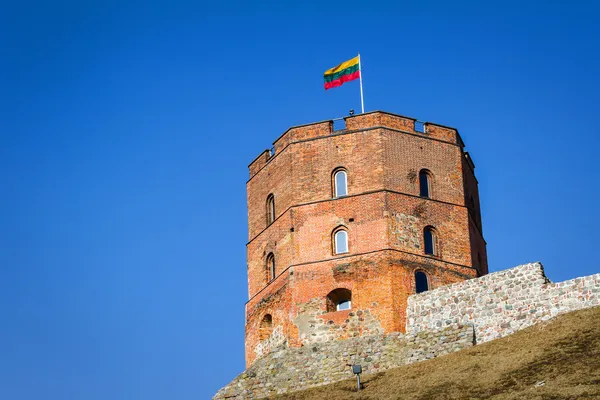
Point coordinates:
[(291, 369), (501, 303)]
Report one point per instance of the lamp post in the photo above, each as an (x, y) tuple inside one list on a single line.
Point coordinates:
[(357, 370)]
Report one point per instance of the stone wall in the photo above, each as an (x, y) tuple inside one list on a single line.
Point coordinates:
[(316, 327), (275, 339), (291, 369), (501, 303), (438, 322)]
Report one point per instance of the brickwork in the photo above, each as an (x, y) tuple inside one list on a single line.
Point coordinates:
[(383, 214), (380, 283)]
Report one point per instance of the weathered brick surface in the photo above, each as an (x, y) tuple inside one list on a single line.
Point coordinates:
[(380, 283), (383, 214)]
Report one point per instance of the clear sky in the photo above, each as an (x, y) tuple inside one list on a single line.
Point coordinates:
[(127, 127)]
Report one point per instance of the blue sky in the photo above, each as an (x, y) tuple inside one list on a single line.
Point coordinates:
[(127, 127)]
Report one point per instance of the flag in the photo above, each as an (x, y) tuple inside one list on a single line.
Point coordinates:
[(345, 72)]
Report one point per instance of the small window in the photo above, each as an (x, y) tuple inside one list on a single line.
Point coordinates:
[(270, 267), (266, 327), (421, 282), (340, 239), (430, 239), (270, 209), (420, 126), (339, 299), (340, 184), (425, 183), (344, 305)]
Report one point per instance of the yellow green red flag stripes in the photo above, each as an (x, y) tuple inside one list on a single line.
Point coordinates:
[(345, 72)]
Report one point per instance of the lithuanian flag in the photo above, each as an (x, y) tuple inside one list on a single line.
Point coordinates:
[(345, 72)]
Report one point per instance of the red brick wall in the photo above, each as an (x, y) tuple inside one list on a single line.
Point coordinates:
[(450, 223), (406, 155), (384, 217), (303, 173), (380, 283)]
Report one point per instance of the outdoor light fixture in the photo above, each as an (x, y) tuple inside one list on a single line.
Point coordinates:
[(357, 370)]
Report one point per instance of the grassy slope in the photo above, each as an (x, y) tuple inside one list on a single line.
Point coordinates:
[(564, 353)]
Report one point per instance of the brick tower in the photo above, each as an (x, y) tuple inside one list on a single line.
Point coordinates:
[(345, 224)]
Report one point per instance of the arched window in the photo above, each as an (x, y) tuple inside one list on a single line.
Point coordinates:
[(270, 209), (340, 183), (421, 282), (266, 327), (339, 299), (430, 239), (270, 267), (340, 241), (425, 183)]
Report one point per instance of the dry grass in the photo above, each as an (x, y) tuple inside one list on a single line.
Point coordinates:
[(559, 359)]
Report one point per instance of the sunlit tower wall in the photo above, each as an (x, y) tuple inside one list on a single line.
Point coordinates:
[(345, 224)]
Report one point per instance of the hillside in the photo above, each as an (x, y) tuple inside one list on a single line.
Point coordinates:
[(558, 359)]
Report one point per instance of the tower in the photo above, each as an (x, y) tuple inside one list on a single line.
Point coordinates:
[(345, 224)]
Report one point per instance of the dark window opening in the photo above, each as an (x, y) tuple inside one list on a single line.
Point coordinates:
[(430, 241), (421, 283), (425, 183)]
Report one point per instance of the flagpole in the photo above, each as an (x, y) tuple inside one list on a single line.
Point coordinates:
[(362, 100)]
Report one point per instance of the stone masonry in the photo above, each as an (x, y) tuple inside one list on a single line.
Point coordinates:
[(291, 369), (501, 303), (440, 321)]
